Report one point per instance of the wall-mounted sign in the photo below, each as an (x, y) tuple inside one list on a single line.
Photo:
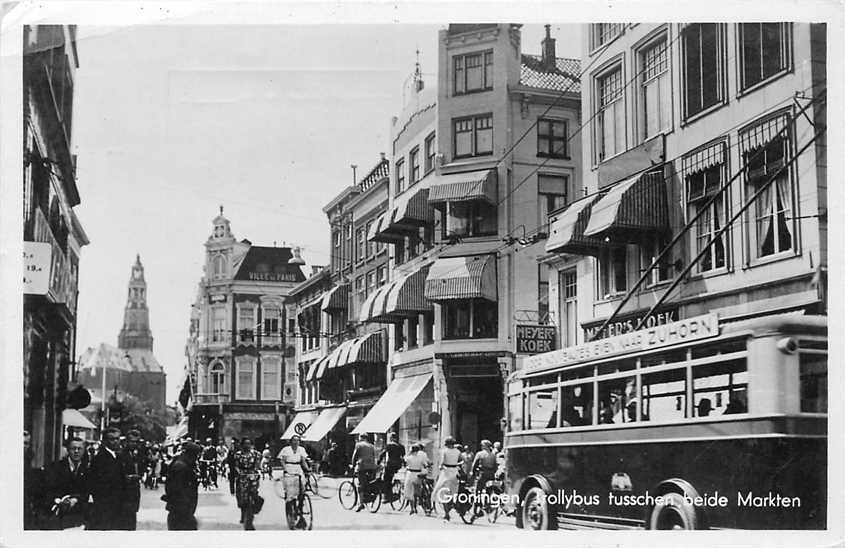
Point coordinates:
[(271, 276), (217, 299), (535, 339), (36, 267), (627, 323), (690, 329)]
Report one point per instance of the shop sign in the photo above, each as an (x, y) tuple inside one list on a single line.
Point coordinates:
[(627, 324), (535, 339), (271, 276), (36, 267), (217, 299), (690, 329)]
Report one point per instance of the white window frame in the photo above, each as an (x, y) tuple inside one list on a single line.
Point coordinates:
[(218, 266), (254, 308), (277, 362), (266, 337), (616, 107), (662, 80), (218, 335), (604, 267), (240, 363), (223, 388), (721, 75)]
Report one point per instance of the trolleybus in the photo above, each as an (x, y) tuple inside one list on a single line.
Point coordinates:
[(693, 425)]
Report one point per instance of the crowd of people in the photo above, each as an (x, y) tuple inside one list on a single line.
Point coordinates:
[(98, 485)]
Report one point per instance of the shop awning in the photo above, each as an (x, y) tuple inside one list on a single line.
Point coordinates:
[(325, 422), (366, 349), (398, 300), (377, 232), (395, 400), (566, 230), (300, 424), (336, 299), (311, 374), (464, 187), (322, 365), (462, 278), (409, 212), (630, 209), (72, 417)]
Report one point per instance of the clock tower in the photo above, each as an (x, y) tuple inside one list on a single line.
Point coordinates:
[(135, 332)]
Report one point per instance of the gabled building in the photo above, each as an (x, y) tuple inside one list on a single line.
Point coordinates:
[(237, 349)]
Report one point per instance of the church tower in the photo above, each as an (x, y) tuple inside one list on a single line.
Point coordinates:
[(135, 332)]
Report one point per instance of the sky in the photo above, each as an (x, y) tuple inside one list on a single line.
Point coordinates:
[(172, 121)]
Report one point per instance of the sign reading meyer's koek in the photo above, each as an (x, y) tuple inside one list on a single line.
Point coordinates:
[(535, 339), (689, 329), (626, 324)]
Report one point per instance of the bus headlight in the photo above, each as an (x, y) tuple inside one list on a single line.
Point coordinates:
[(787, 345)]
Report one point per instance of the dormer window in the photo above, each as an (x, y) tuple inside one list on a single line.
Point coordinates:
[(219, 266)]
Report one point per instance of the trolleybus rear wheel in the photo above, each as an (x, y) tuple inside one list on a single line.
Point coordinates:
[(674, 512)]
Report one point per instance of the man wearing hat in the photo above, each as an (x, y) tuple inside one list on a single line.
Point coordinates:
[(133, 462), (180, 490), (107, 483)]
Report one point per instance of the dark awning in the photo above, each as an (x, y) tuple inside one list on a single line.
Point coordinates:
[(462, 278), (566, 230), (634, 208), (361, 350), (336, 299), (377, 232), (402, 298), (464, 187), (409, 212)]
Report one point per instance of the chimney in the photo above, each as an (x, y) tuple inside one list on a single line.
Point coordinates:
[(383, 157), (548, 48), (315, 269)]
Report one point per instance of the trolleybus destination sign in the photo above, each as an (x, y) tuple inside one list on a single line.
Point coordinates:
[(689, 329)]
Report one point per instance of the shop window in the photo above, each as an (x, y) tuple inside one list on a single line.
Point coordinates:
[(765, 51), (471, 319), (704, 70)]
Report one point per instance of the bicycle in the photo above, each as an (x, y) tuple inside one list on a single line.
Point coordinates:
[(312, 484), (347, 493), (425, 499), (299, 513)]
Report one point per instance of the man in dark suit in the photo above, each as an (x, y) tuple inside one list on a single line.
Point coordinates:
[(230, 464), (133, 461), (180, 490), (107, 483), (65, 490)]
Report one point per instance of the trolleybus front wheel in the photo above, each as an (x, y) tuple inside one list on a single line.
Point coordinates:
[(536, 514), (674, 512)]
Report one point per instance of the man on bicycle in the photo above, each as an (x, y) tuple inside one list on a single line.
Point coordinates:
[(364, 464), (295, 464), (392, 456), (208, 463), (484, 466)]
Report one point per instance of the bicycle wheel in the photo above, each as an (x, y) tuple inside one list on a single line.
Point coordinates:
[(425, 499), (347, 494), (279, 488), (398, 501), (313, 485), (306, 514), (375, 502)]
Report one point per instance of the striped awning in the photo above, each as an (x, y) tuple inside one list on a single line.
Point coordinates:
[(566, 229), (409, 212), (398, 300), (322, 365), (635, 207), (313, 368), (464, 187), (336, 299), (377, 232), (360, 350), (462, 278), (396, 399), (328, 418)]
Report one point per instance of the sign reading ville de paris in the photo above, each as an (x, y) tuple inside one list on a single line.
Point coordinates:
[(272, 276), (689, 329)]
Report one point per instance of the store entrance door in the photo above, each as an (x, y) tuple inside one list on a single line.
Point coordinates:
[(478, 408)]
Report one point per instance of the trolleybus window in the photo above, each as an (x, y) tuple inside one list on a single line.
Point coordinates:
[(542, 408), (813, 368), (723, 382), (664, 395), (577, 405), (614, 397), (515, 413)]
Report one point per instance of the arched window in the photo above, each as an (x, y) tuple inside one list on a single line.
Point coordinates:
[(219, 266), (217, 378)]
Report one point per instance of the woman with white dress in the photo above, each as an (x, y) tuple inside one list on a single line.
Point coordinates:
[(416, 464)]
